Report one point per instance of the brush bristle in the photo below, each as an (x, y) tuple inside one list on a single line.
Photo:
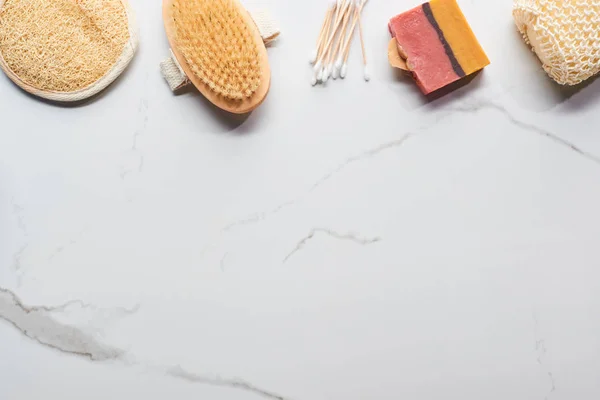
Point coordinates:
[(218, 46)]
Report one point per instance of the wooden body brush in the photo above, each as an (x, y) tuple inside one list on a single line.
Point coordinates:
[(219, 47)]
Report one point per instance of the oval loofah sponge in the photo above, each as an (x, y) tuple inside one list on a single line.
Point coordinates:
[(218, 46), (65, 50), (565, 35)]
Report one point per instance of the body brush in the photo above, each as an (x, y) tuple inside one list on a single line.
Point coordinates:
[(218, 47)]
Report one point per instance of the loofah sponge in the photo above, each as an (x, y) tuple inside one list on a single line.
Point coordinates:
[(565, 35), (218, 46), (65, 50)]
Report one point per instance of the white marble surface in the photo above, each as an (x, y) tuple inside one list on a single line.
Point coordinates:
[(350, 242)]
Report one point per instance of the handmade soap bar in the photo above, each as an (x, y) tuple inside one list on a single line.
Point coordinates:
[(437, 43)]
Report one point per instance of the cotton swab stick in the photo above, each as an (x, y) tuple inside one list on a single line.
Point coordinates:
[(339, 51), (336, 48), (357, 12), (364, 53), (346, 51), (326, 21), (322, 37), (318, 72), (343, 62), (315, 52), (322, 49), (341, 10), (322, 73), (325, 34), (336, 55), (336, 26), (348, 40), (340, 59), (335, 38), (328, 57)]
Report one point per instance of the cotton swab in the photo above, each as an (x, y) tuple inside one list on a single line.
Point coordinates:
[(364, 53), (329, 31), (343, 71), (354, 21), (330, 57), (335, 73), (315, 53), (318, 73), (325, 32), (344, 68), (326, 21), (336, 26), (334, 59)]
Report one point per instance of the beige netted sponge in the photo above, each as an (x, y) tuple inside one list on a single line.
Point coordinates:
[(65, 50), (218, 46), (565, 35)]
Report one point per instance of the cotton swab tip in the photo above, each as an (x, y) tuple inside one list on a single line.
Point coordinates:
[(339, 62), (317, 67), (313, 80), (328, 71), (343, 71), (313, 56), (367, 74), (335, 73), (325, 75), (320, 76)]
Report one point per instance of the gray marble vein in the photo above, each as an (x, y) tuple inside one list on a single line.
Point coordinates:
[(487, 104), (336, 235), (222, 263), (18, 212), (180, 373), (541, 351), (37, 323), (17, 263), (359, 157), (258, 217), (63, 247), (142, 126)]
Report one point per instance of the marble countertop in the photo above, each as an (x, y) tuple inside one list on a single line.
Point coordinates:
[(349, 242)]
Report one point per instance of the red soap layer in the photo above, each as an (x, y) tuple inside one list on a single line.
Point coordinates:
[(425, 53)]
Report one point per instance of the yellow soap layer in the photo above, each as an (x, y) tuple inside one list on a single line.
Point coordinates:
[(458, 34)]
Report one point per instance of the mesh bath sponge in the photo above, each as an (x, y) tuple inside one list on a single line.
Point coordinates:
[(565, 35), (65, 50)]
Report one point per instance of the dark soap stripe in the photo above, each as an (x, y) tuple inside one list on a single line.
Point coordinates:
[(455, 64)]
